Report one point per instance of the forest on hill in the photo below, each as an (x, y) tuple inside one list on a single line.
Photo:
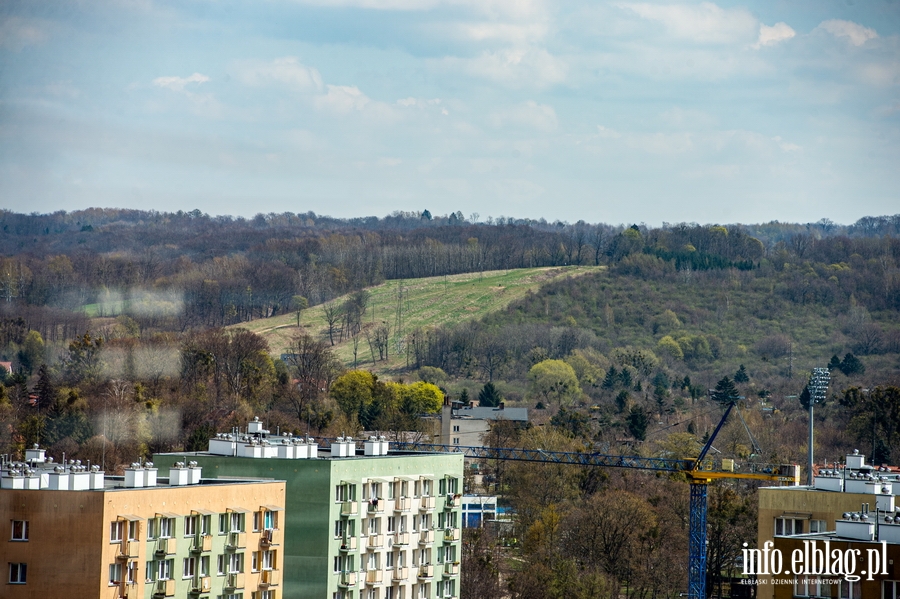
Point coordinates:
[(127, 333)]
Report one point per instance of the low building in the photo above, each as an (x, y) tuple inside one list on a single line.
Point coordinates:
[(478, 509), (466, 425), (837, 490), (361, 521), (75, 532)]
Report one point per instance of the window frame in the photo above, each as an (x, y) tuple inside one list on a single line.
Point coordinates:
[(23, 531), (18, 573)]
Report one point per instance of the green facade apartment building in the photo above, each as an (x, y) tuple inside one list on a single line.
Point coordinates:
[(367, 524)]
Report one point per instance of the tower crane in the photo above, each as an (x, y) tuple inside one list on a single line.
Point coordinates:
[(699, 471)]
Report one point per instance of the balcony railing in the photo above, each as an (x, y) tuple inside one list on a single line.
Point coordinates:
[(451, 534), (375, 506), (128, 549), (374, 576), (426, 537), (349, 508), (348, 579), (348, 543), (451, 568), (375, 541), (426, 571), (164, 588), (428, 503), (234, 580), (269, 578), (236, 540), (400, 574), (402, 504), (451, 502), (270, 537), (201, 543), (201, 584), (166, 546), (401, 538)]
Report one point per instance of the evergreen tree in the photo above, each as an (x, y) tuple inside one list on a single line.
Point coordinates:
[(612, 375), (834, 364), (44, 389), (637, 422), (464, 397), (725, 391), (851, 365), (489, 396), (741, 375)]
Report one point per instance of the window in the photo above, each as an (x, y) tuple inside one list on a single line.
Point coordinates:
[(18, 573), (389, 593), (116, 531), (426, 488), (374, 526), (440, 555), (257, 521), (456, 440), (204, 565), (389, 560), (237, 522), (788, 526), (455, 428), (391, 524), (166, 527), (254, 561), (134, 530), (236, 563), (222, 565), (165, 569), (890, 589), (131, 575), (451, 485), (231, 596), (189, 567), (343, 563), (19, 530), (190, 526), (223, 523), (264, 595), (268, 560), (115, 574), (818, 526), (442, 486), (345, 492), (270, 520), (339, 528), (151, 571), (205, 525), (850, 590), (450, 553)]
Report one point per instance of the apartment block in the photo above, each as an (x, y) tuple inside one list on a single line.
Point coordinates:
[(362, 521), (837, 492), (76, 532)]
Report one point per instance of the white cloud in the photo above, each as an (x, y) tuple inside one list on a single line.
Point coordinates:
[(287, 70), (705, 22), (854, 32), (772, 35), (530, 114), (518, 67), (178, 83), (785, 146), (342, 98), (514, 33)]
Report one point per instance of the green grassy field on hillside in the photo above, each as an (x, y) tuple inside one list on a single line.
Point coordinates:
[(412, 303)]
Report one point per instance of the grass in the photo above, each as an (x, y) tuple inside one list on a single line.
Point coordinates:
[(413, 303)]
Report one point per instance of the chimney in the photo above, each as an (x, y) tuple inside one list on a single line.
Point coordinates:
[(502, 405)]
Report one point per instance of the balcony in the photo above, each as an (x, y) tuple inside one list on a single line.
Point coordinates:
[(271, 537), (375, 506), (236, 540), (451, 568), (349, 508), (375, 541), (201, 584), (426, 537), (348, 579), (401, 538), (201, 544), (164, 588), (451, 534), (400, 574), (374, 576), (451, 502), (402, 504), (166, 546), (348, 544), (269, 578), (234, 580), (128, 550), (426, 572), (428, 503)]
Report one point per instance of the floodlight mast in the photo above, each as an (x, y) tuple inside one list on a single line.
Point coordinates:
[(818, 388)]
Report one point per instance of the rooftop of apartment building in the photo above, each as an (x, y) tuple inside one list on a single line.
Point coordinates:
[(853, 476), (40, 471)]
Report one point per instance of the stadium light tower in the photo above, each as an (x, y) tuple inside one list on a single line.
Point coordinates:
[(818, 388)]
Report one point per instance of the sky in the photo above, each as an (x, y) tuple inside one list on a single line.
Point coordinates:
[(615, 112)]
